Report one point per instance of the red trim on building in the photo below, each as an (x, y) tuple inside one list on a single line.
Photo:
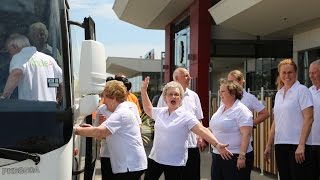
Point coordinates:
[(200, 35), (169, 56)]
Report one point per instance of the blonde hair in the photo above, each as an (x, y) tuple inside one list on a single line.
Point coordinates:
[(115, 89), (238, 75), (173, 84), (280, 83)]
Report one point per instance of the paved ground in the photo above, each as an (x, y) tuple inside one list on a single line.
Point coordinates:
[(205, 170), (205, 166)]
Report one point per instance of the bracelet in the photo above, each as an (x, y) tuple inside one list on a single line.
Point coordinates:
[(215, 144), (242, 157)]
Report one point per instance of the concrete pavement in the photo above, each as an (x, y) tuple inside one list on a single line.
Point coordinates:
[(205, 163), (205, 170)]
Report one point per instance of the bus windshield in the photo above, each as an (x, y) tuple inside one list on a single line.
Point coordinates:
[(33, 109)]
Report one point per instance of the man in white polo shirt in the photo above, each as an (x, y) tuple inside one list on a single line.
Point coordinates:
[(314, 74), (190, 102), (36, 74)]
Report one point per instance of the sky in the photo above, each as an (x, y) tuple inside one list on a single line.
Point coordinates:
[(120, 38)]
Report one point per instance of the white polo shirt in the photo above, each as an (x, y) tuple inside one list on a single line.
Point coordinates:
[(37, 67), (125, 144), (170, 145), (315, 131), (288, 115), (225, 126), (252, 103), (191, 102), (103, 111)]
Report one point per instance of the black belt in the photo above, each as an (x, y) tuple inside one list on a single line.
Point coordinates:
[(193, 149)]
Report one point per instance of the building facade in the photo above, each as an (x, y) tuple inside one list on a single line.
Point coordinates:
[(212, 37)]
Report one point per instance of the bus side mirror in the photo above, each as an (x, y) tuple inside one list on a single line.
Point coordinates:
[(92, 74), (88, 104)]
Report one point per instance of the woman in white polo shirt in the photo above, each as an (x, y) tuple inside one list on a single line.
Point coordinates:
[(293, 117), (127, 154), (232, 124), (173, 123)]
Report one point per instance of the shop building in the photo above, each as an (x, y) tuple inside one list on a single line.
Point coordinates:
[(212, 37)]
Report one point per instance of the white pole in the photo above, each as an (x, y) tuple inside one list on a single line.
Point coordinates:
[(261, 137)]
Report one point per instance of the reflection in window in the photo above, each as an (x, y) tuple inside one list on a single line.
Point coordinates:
[(182, 48), (37, 20), (262, 72), (305, 58)]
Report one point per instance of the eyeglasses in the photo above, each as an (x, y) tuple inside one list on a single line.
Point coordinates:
[(173, 95)]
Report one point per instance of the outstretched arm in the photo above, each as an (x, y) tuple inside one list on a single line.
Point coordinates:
[(206, 134), (146, 103), (99, 132)]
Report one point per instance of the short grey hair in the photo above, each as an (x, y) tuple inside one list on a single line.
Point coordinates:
[(38, 26), (316, 62), (17, 40), (178, 71), (173, 84)]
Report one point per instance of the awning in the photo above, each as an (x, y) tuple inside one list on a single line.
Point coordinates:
[(132, 66), (267, 17), (150, 14)]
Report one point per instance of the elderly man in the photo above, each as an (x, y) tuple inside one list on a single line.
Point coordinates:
[(38, 35), (190, 102), (314, 74), (36, 74)]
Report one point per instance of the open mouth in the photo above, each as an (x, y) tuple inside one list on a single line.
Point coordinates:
[(173, 102)]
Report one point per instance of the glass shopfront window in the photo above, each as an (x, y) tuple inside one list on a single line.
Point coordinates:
[(262, 72), (305, 58), (182, 48)]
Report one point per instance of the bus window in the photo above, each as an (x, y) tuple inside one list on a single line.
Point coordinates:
[(39, 22), (35, 122)]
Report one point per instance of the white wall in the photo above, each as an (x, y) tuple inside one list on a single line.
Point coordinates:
[(305, 40)]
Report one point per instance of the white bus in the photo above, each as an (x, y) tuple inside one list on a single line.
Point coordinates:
[(36, 137)]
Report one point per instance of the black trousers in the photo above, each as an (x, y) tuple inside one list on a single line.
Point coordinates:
[(192, 169), (135, 175), (227, 169), (107, 174), (288, 168), (155, 170), (106, 170), (316, 158)]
